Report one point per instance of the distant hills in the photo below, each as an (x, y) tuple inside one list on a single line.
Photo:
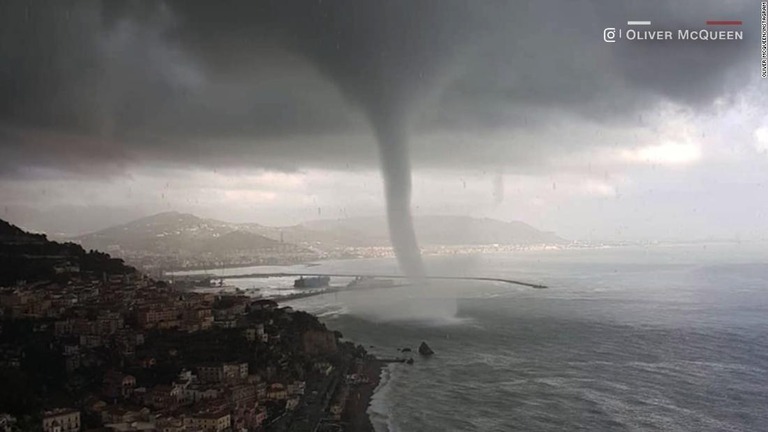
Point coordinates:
[(440, 231), (172, 232)]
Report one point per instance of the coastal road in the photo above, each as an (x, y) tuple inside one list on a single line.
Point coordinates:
[(312, 406)]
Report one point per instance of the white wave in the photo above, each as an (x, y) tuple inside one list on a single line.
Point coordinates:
[(332, 312), (380, 410)]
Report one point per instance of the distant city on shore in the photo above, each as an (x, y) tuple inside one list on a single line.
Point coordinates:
[(178, 241), (174, 241)]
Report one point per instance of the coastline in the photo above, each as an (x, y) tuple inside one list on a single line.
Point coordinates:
[(431, 251), (356, 417)]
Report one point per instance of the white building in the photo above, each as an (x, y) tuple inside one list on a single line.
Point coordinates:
[(61, 420)]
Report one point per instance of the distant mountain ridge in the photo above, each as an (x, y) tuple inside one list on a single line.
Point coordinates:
[(439, 230), (173, 231)]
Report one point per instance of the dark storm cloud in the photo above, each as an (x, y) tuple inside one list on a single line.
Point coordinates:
[(254, 82), (552, 55)]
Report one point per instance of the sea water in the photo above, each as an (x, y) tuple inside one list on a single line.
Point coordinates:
[(624, 339)]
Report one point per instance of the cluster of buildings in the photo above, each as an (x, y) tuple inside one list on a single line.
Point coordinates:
[(120, 337), (216, 397), (155, 263)]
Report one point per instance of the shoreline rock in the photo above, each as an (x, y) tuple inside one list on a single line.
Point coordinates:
[(425, 350)]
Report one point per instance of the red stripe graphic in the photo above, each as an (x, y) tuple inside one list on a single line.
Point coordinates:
[(713, 22)]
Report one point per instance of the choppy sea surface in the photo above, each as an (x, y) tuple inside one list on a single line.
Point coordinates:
[(625, 339)]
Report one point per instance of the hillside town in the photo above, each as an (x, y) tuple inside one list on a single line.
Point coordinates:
[(106, 348)]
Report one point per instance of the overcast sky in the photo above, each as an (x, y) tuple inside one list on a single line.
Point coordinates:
[(262, 112)]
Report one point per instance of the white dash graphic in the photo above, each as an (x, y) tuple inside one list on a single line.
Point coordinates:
[(638, 23)]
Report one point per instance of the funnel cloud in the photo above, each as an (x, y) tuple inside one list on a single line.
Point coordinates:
[(98, 90), (396, 170), (385, 57)]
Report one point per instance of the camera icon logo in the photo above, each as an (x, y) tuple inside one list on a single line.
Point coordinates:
[(609, 34)]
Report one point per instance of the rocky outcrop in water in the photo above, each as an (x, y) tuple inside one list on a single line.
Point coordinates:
[(425, 350)]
